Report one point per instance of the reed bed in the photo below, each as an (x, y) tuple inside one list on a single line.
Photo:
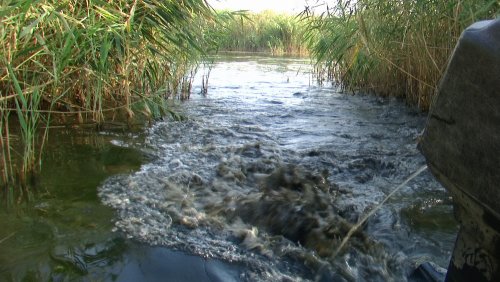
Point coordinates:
[(269, 32), (90, 61), (396, 48)]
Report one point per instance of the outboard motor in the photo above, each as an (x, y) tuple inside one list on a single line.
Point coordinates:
[(461, 143)]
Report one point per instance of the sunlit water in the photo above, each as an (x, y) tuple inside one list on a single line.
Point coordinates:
[(269, 171)]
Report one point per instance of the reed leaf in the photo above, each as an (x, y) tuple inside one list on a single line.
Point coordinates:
[(397, 48), (95, 59), (262, 32)]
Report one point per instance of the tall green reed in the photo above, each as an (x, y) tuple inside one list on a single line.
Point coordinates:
[(91, 61), (263, 32), (6, 167), (397, 48)]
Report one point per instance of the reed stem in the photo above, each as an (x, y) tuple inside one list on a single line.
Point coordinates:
[(375, 209)]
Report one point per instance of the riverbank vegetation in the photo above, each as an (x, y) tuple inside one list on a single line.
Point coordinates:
[(396, 48), (269, 32), (89, 61)]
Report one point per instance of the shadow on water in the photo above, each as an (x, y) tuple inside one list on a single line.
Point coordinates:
[(61, 231)]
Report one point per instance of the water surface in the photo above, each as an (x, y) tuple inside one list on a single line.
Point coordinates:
[(259, 183), (58, 230), (269, 171)]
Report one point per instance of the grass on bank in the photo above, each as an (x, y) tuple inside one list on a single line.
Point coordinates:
[(97, 60), (397, 48), (92, 61), (269, 32)]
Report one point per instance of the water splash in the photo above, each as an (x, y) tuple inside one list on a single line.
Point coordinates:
[(206, 193), (376, 208)]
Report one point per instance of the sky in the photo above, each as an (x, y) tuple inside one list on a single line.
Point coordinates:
[(283, 6)]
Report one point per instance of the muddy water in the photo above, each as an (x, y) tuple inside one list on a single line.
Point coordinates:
[(58, 230), (50, 230), (269, 171)]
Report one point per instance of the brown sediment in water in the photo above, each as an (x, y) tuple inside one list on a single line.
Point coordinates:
[(300, 206)]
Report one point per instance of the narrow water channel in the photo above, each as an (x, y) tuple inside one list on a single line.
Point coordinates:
[(269, 170), (260, 182)]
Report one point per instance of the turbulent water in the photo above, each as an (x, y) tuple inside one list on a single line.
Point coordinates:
[(269, 171)]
